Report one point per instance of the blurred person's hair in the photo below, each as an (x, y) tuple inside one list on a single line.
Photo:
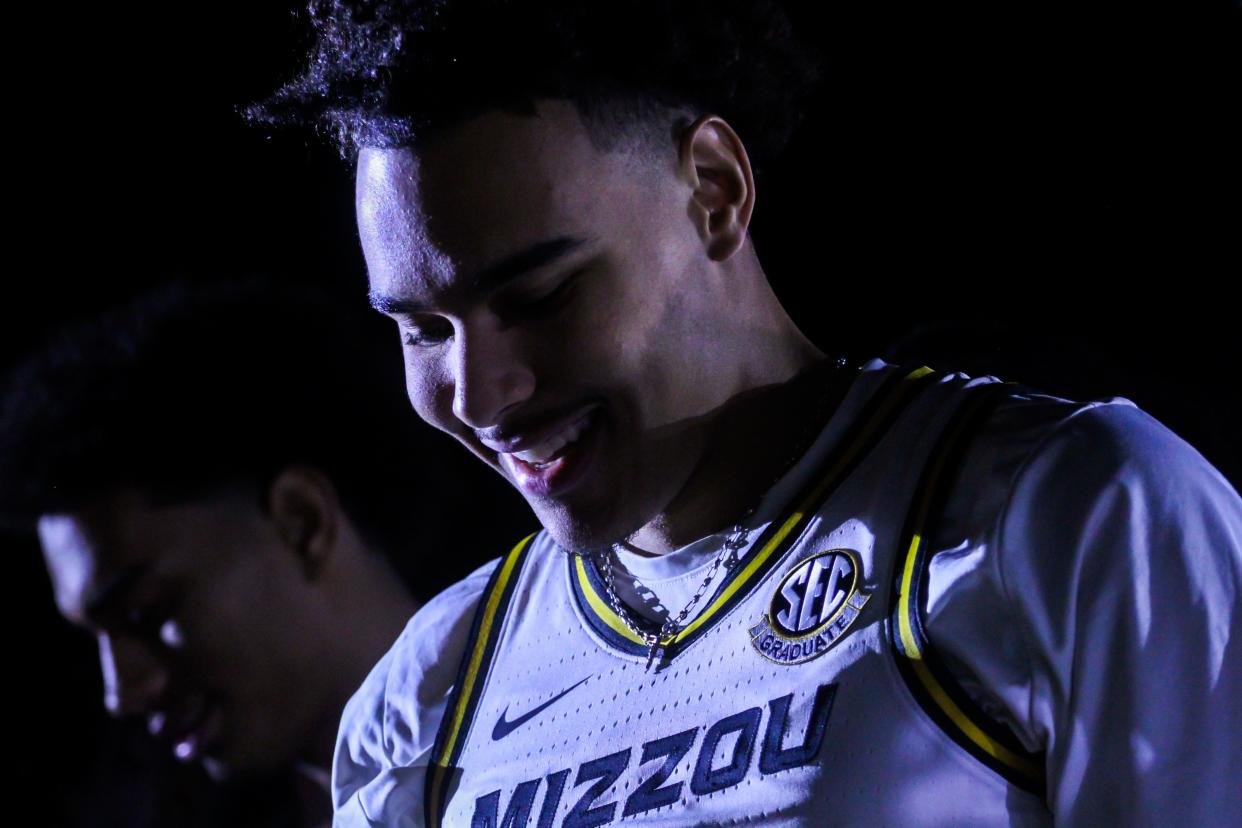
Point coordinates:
[(190, 390)]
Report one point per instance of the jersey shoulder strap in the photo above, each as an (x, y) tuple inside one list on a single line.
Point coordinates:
[(471, 678), (932, 684)]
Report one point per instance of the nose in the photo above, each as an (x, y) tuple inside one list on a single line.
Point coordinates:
[(491, 371), (134, 678)]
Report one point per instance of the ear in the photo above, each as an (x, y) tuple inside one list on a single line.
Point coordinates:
[(303, 505), (714, 161)]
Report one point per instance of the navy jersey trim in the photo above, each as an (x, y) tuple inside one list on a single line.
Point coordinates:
[(932, 685), (472, 675), (866, 432)]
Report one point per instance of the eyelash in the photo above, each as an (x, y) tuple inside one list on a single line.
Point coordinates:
[(421, 340), (550, 301)]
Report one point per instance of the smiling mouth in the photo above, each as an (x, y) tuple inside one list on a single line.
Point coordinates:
[(546, 453), (190, 727), (558, 461)]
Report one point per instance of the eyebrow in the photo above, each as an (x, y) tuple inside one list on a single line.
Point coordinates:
[(113, 590), (540, 254)]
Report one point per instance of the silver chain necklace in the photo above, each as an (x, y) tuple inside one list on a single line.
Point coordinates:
[(726, 557), (655, 642)]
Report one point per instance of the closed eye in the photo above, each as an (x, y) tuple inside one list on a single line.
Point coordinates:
[(426, 333), (523, 306), (148, 619)]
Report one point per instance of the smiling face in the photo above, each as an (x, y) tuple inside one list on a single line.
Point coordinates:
[(206, 624), (560, 309)]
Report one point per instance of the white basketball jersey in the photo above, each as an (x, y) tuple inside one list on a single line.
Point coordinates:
[(804, 693)]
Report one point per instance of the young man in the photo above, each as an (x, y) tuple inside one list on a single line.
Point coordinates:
[(771, 588), (220, 490)]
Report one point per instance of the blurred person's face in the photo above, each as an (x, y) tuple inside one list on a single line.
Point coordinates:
[(559, 305), (208, 623)]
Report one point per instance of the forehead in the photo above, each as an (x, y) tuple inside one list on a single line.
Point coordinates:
[(87, 548), (488, 187), (116, 537)]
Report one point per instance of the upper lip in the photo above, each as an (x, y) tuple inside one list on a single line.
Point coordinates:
[(512, 437)]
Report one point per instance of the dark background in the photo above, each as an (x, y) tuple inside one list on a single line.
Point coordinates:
[(1044, 191)]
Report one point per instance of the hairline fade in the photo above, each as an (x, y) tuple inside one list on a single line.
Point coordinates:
[(394, 73)]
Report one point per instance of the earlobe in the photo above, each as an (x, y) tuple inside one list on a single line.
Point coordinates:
[(715, 162), (303, 506)]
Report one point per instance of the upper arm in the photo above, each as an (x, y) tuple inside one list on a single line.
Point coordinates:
[(1120, 553), (389, 726)]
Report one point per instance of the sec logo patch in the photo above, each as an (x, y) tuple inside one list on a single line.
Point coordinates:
[(812, 607)]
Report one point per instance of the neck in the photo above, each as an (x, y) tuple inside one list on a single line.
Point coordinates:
[(314, 793), (749, 443), (375, 610), (319, 777)]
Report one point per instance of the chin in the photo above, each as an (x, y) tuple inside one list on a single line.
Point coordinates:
[(217, 769), (230, 760), (578, 534)]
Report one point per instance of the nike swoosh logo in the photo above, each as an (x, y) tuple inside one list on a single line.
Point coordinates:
[(503, 728)]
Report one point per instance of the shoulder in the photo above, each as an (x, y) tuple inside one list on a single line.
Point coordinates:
[(1110, 478), (1113, 520), (1117, 558), (426, 657), (392, 719), (1069, 518), (1051, 487)]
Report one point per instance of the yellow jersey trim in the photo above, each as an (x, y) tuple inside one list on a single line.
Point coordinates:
[(914, 652), (755, 562), (480, 646)]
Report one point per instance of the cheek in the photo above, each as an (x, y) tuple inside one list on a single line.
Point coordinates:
[(235, 605), (430, 393), (642, 319), (209, 638), (172, 634), (667, 338)]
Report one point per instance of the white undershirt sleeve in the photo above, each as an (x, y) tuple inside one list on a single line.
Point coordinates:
[(1120, 556), (389, 726)]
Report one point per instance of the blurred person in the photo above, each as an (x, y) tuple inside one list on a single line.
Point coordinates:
[(221, 481)]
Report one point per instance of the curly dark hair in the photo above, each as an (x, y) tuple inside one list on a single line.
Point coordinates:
[(191, 390), (390, 73)]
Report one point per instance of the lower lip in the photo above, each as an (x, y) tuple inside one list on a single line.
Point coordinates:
[(195, 743), (562, 474)]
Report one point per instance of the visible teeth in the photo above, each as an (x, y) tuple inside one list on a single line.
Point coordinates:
[(546, 450)]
